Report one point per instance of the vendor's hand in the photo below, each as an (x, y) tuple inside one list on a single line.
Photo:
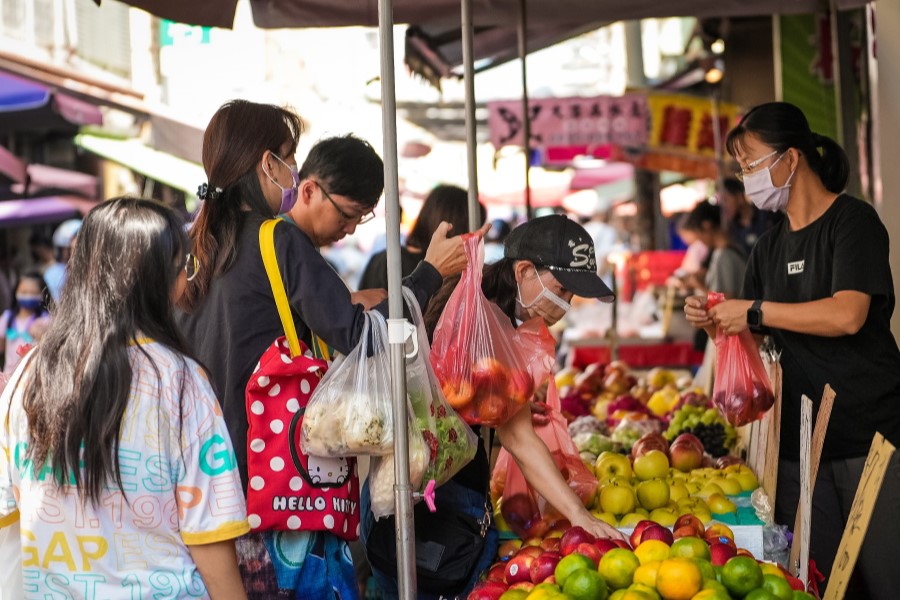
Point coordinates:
[(695, 312), (447, 255), (539, 413), (731, 315), (597, 527), (369, 298)]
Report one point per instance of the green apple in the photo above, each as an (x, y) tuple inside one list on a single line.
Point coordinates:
[(606, 517), (617, 498), (677, 491), (652, 465), (631, 519), (612, 464), (665, 516), (653, 493)]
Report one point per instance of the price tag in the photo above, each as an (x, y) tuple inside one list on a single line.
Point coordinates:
[(860, 514)]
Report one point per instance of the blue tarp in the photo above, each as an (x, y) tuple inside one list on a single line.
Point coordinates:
[(19, 94)]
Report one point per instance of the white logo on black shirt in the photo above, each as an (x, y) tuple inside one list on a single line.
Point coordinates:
[(795, 268)]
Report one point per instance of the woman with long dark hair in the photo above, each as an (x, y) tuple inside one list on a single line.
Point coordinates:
[(820, 285), (445, 203), (230, 313), (115, 457)]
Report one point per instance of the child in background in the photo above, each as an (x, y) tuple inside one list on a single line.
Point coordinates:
[(24, 324)]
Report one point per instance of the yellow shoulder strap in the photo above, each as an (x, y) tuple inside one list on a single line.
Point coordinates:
[(270, 261)]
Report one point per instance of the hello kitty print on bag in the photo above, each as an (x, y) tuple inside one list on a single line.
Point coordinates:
[(289, 490)]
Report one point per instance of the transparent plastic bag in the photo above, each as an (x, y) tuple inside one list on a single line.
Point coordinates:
[(488, 369), (742, 391), (440, 442), (526, 512), (350, 412)]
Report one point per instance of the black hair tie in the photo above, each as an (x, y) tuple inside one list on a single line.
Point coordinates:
[(204, 192), (818, 140)]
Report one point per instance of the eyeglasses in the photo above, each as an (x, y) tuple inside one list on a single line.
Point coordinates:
[(348, 219), (751, 166), (191, 266)]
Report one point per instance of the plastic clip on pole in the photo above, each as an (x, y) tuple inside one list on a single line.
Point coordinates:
[(428, 495)]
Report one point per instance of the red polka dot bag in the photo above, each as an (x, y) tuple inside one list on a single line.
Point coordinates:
[(288, 489)]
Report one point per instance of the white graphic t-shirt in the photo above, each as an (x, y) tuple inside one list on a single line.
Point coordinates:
[(179, 490)]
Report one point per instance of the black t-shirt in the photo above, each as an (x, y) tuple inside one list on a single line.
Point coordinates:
[(375, 274), (845, 249), (237, 319)]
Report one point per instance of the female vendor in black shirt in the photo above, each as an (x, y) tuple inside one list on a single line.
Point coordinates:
[(820, 285)]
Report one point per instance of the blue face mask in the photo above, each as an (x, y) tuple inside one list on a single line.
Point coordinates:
[(32, 303)]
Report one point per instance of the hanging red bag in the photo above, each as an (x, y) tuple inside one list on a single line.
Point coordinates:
[(526, 512), (287, 488), (742, 391), (488, 369)]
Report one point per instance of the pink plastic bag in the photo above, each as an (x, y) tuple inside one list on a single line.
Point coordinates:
[(526, 512), (742, 391), (488, 369)]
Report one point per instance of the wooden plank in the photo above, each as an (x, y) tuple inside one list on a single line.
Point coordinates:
[(799, 561), (769, 473), (818, 441), (860, 515)]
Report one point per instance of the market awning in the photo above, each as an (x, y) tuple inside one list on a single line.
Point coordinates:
[(45, 179), (12, 169), (165, 168), (51, 209), (26, 105), (341, 13)]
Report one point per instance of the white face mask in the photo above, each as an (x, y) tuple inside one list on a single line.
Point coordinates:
[(551, 313), (764, 194)]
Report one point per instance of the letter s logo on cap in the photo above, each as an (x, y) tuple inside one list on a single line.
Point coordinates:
[(582, 256)]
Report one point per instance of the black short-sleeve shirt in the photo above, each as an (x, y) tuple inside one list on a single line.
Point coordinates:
[(844, 249)]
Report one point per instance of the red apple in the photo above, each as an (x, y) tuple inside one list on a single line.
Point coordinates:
[(658, 532), (533, 541), (489, 590), (543, 566), (685, 531), (728, 460), (532, 551), (489, 374), (720, 553), (508, 548), (550, 543), (497, 572), (745, 552), (688, 438), (522, 585), (685, 457), (520, 386), (518, 510), (604, 545), (720, 539), (573, 537), (647, 442), (458, 393), (693, 521), (622, 544), (639, 528), (589, 550), (519, 568)]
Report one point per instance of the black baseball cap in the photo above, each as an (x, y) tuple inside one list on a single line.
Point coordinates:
[(561, 245)]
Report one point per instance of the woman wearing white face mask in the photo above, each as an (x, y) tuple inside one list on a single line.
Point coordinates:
[(546, 261), (820, 285)]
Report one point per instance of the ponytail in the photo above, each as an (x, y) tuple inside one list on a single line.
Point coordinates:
[(832, 165)]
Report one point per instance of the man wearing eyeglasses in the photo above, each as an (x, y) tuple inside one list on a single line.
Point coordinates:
[(341, 181)]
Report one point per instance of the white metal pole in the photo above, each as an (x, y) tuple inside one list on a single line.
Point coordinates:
[(468, 47), (405, 532), (526, 114)]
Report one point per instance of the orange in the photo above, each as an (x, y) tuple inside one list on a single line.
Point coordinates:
[(617, 567), (741, 575), (651, 550), (569, 564), (689, 547), (778, 587), (770, 569), (646, 573), (585, 584), (639, 591), (678, 579)]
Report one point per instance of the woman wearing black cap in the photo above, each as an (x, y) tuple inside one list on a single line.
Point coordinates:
[(546, 262)]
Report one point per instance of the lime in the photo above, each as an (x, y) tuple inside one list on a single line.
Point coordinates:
[(741, 575), (569, 564), (778, 587), (585, 584)]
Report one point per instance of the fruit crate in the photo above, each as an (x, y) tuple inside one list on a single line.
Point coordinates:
[(749, 537)]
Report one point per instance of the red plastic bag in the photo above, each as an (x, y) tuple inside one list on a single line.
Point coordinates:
[(526, 512), (488, 369), (742, 391)]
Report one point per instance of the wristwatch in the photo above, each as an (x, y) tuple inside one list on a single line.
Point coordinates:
[(755, 316)]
